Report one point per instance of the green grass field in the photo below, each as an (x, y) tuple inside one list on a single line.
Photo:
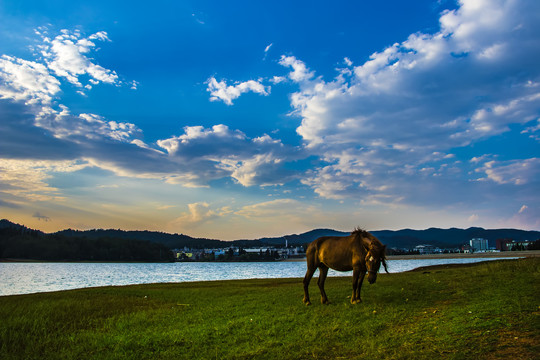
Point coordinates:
[(481, 311)]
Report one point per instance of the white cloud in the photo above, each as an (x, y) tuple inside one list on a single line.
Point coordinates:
[(428, 94), (278, 79), (523, 209), (63, 125), (257, 170), (27, 81), (517, 172), (219, 152), (220, 91), (65, 56), (194, 134), (300, 71)]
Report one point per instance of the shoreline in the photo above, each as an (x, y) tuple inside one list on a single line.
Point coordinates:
[(502, 254)]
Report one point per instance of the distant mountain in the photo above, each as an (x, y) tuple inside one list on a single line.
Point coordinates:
[(299, 239), (453, 237), (406, 238)]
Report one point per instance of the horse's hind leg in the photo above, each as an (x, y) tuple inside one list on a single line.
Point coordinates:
[(309, 274), (323, 270), (311, 267)]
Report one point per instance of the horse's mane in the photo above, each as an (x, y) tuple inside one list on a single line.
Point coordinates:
[(360, 231)]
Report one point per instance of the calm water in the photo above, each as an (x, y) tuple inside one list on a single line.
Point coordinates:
[(25, 278)]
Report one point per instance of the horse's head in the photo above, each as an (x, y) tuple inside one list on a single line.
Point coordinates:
[(375, 253), (375, 256)]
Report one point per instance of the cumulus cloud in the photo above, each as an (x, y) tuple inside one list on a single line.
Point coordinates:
[(27, 81), (429, 94), (517, 172), (220, 152), (220, 91), (66, 56), (91, 126), (35, 127), (35, 84), (299, 71)]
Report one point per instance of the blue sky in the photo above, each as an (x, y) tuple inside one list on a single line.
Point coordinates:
[(239, 119)]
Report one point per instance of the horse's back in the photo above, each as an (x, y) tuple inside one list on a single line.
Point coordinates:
[(333, 251)]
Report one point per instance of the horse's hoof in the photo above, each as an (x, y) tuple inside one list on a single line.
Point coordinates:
[(357, 301), (307, 303), (325, 302)]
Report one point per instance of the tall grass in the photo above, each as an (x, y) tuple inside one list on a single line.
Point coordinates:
[(486, 310)]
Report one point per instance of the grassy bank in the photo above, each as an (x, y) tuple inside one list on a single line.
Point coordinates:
[(488, 310)]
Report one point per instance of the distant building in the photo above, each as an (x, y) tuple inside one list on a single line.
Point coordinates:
[(425, 249), (504, 244), (523, 244), (479, 245)]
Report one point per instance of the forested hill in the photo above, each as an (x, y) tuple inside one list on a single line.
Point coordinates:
[(172, 241), (21, 243)]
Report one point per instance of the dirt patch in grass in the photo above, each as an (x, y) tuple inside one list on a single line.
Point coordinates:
[(514, 344)]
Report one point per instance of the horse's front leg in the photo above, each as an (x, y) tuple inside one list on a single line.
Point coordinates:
[(359, 287), (355, 274), (358, 278)]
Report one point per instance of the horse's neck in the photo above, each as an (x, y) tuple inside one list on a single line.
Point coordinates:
[(365, 243)]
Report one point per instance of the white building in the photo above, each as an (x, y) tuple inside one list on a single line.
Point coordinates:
[(479, 245), (426, 249)]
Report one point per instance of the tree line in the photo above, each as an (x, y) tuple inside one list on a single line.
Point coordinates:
[(25, 244), (231, 256)]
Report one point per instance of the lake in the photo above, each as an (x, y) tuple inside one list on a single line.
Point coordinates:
[(26, 278)]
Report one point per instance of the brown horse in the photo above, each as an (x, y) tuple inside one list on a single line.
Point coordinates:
[(360, 252)]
